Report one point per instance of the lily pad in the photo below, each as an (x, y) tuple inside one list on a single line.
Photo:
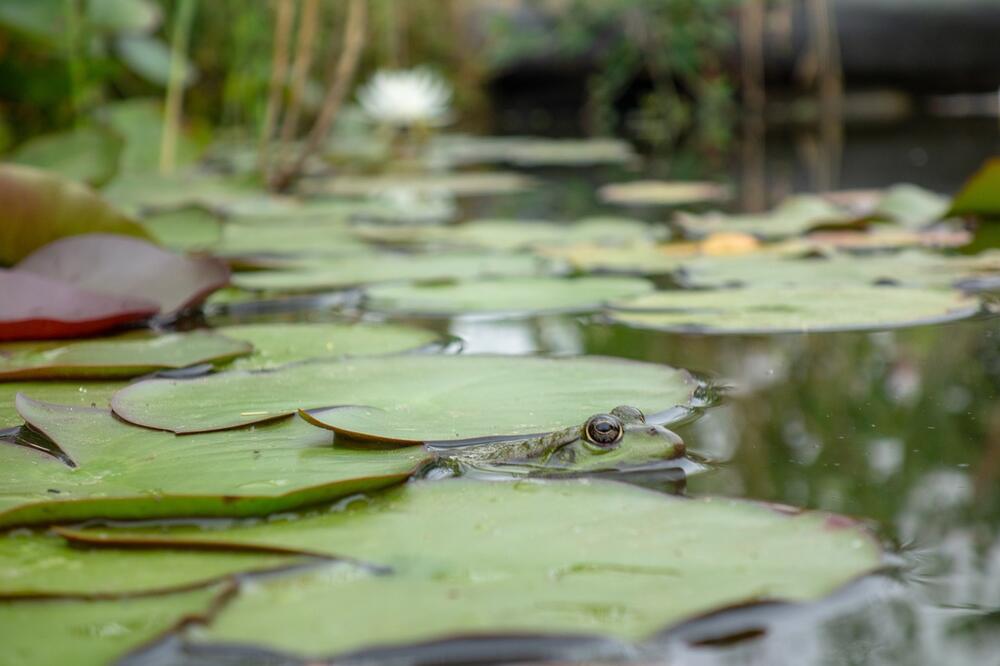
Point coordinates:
[(37, 207), (277, 344), (634, 259), (620, 562), (371, 269), (510, 235), (288, 238), (911, 206), (413, 398), (663, 193), (115, 357), (794, 216), (792, 309), (139, 123), (184, 229), (36, 307), (95, 633), (84, 154), (77, 393), (529, 151), (38, 565), (980, 195), (124, 266), (460, 184), (531, 295), (114, 470)]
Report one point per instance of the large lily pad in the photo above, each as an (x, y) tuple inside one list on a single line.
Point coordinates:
[(116, 357), (529, 295), (792, 309), (276, 344), (114, 470), (94, 633), (370, 269), (34, 565), (121, 265), (412, 398), (36, 307), (980, 195), (37, 207), (619, 561)]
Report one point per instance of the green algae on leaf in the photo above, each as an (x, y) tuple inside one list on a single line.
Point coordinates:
[(95, 633), (412, 398), (119, 471), (37, 565), (125, 356), (619, 561), (530, 295), (352, 271), (792, 309), (276, 344)]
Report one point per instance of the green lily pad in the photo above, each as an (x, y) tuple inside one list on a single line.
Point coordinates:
[(412, 398), (911, 206), (619, 561), (184, 229), (78, 393), (921, 269), (119, 471), (465, 183), (139, 123), (95, 633), (529, 151), (980, 195), (43, 565), (37, 207), (794, 216), (352, 271), (633, 259), (277, 344), (792, 309), (288, 238), (531, 295), (517, 234), (147, 193), (149, 58), (85, 154), (115, 357)]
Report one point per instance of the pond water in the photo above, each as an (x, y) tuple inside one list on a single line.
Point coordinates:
[(900, 428)]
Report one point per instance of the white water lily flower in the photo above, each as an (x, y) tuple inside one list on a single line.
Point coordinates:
[(405, 98)]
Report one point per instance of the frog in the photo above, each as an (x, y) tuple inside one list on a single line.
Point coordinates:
[(621, 437)]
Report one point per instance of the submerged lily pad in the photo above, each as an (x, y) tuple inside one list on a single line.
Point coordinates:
[(511, 295), (619, 561), (121, 265), (37, 565), (114, 470), (37, 207), (353, 271), (94, 633), (115, 357), (33, 307), (276, 344), (663, 193), (792, 309), (413, 398)]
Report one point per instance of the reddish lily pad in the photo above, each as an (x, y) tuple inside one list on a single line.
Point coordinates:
[(34, 307), (121, 265), (37, 207)]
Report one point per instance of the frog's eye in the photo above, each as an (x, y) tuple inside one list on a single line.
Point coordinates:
[(604, 431)]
